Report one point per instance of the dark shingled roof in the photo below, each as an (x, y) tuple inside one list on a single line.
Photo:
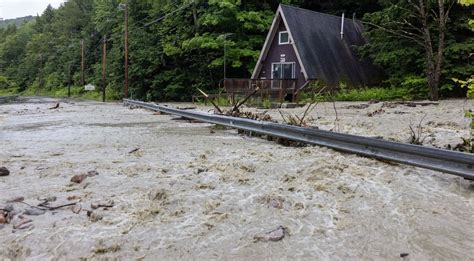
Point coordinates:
[(324, 55)]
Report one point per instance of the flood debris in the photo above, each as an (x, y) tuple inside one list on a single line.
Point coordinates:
[(4, 172), (272, 236), (3, 217), (103, 249), (272, 201), (94, 216), (376, 112), (158, 194), (81, 177), (109, 203), (201, 170), (20, 223), (47, 199), (357, 106), (134, 150), (467, 145), (186, 119), (15, 199), (76, 209), (78, 178), (404, 255), (55, 106), (417, 135)]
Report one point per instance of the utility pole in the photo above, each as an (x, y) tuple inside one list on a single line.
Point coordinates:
[(104, 64), (69, 81), (82, 62), (125, 90)]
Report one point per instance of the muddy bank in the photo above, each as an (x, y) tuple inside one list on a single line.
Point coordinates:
[(189, 192)]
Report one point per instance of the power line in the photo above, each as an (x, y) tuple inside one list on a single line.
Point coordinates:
[(168, 14)]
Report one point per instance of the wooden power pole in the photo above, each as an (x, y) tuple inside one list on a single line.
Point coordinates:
[(125, 90), (104, 64), (82, 62)]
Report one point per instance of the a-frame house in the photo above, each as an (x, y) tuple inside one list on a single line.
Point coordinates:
[(306, 46)]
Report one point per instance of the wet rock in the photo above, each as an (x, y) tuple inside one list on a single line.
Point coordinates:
[(34, 212), (102, 204), (404, 254), (158, 194), (78, 178), (8, 208), (94, 216), (16, 199), (92, 173), (201, 170), (48, 199), (3, 218), (76, 209), (4, 172), (273, 236)]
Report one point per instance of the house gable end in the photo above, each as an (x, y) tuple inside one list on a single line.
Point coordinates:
[(274, 52)]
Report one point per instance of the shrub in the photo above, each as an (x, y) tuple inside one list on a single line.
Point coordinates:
[(416, 85), (367, 94), (4, 82)]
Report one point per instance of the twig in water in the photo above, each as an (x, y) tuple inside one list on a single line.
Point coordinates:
[(210, 100), (416, 135)]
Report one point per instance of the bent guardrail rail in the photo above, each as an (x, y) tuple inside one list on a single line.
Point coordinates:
[(451, 162)]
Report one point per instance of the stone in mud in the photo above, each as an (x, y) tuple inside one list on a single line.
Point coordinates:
[(92, 173), (94, 216), (4, 172), (78, 178), (76, 209), (102, 204), (3, 217), (201, 170), (48, 199), (8, 208), (34, 212), (273, 236)]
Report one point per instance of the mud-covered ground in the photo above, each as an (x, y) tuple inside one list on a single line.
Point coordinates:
[(195, 191)]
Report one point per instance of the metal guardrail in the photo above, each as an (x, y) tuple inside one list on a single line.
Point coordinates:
[(451, 162)]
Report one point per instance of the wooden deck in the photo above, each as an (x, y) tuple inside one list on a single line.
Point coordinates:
[(276, 90)]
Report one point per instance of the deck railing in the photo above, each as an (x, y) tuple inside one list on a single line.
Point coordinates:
[(269, 89)]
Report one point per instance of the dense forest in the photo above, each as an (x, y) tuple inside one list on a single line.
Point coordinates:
[(17, 21), (178, 45)]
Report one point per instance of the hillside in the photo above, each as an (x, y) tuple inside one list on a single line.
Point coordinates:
[(17, 21)]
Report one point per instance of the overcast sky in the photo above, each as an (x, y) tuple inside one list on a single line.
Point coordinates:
[(19, 8)]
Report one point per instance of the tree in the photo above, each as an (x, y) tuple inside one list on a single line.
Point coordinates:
[(420, 22)]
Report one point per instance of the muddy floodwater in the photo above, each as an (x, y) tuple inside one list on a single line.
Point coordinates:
[(155, 188)]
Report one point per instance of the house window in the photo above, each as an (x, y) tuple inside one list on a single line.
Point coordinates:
[(282, 71), (284, 38)]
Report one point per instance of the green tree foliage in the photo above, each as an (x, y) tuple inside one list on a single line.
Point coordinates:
[(394, 33), (178, 45)]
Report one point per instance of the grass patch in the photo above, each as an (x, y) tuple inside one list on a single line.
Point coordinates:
[(8, 92), (366, 94), (380, 94)]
